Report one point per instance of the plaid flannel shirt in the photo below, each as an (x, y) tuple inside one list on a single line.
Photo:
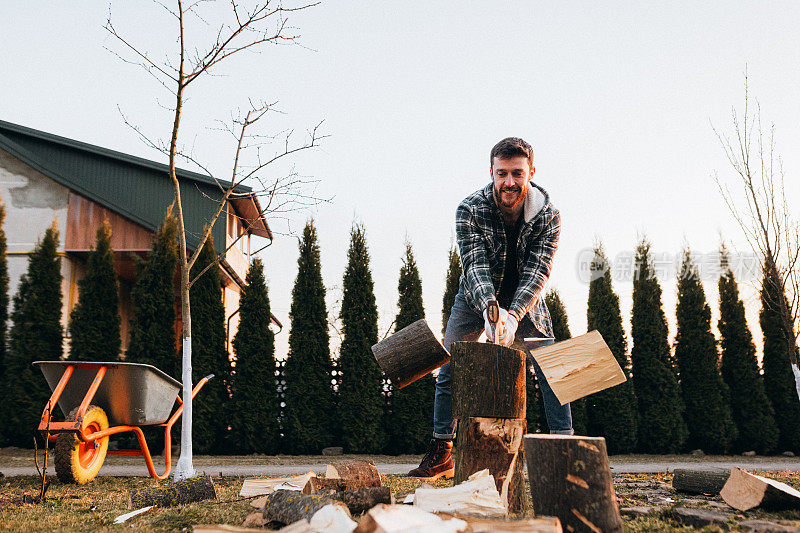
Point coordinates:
[(482, 245)]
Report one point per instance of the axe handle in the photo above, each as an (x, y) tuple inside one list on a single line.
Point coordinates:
[(493, 314)]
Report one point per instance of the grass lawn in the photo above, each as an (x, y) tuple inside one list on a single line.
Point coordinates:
[(94, 506)]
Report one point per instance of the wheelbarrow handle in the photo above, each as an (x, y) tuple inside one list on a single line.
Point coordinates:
[(209, 377)]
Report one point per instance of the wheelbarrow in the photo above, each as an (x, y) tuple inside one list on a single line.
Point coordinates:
[(103, 399)]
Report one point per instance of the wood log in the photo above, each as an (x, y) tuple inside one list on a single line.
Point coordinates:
[(477, 496), (410, 354), (541, 524), (354, 474), (579, 366), (261, 486), (488, 380), (189, 490), (570, 478), (744, 491), (494, 444), (695, 481), (361, 500), (401, 518), (289, 506), (324, 486)]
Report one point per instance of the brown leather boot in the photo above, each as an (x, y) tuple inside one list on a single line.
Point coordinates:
[(436, 463)]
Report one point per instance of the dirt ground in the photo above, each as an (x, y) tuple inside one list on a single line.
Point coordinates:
[(647, 501)]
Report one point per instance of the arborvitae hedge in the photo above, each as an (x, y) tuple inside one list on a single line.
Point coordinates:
[(310, 412), (751, 409), (153, 339), (94, 325), (561, 332), (612, 412), (661, 425), (450, 286), (360, 398), (411, 408), (210, 419), (778, 346), (705, 396), (254, 407), (3, 308), (35, 335)]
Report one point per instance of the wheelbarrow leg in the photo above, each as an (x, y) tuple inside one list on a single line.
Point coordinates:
[(62, 383)]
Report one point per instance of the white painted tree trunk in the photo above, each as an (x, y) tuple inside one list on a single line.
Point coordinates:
[(184, 469)]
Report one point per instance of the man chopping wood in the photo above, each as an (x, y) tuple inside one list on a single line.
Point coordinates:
[(507, 236)]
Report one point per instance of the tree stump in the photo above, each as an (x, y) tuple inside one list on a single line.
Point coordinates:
[(695, 481), (410, 354), (488, 381), (496, 444), (570, 478)]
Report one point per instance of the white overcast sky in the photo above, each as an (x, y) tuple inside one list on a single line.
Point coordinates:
[(617, 99)]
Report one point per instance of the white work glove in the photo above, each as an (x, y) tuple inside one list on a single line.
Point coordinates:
[(509, 331), (493, 333)]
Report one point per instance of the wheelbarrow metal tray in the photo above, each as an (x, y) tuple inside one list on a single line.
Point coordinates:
[(131, 394)]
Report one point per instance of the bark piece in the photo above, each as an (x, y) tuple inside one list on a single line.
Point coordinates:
[(410, 354), (488, 380), (289, 506), (579, 366), (477, 496), (406, 518), (541, 524), (494, 444), (186, 491), (354, 474), (696, 481), (261, 486), (700, 517), (744, 491), (570, 478), (361, 500)]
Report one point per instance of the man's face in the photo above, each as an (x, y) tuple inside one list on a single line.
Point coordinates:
[(511, 178)]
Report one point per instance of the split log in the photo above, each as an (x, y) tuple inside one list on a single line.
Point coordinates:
[(223, 528), (354, 474), (410, 354), (477, 496), (261, 486), (541, 524), (744, 491), (488, 381), (323, 485), (579, 366), (494, 444), (570, 478), (361, 500), (694, 481), (289, 506), (400, 518), (186, 491)]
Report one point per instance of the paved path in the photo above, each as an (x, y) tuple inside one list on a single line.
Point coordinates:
[(400, 468)]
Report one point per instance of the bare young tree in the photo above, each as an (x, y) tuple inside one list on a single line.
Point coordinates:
[(765, 218), (246, 29)]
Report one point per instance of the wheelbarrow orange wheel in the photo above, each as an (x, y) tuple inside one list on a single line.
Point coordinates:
[(77, 461)]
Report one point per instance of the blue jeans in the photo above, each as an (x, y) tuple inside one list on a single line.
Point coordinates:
[(466, 325)]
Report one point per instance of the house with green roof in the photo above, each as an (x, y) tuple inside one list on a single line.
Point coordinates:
[(46, 178)]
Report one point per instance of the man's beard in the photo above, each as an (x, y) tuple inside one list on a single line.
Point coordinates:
[(498, 196)]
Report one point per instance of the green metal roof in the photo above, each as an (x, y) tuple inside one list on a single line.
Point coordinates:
[(136, 188)]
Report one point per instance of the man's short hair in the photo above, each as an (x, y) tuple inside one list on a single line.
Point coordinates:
[(511, 147)]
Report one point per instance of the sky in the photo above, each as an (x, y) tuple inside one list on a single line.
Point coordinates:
[(618, 99)]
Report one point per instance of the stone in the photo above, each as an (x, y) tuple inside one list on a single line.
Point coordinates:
[(719, 505), (700, 517), (788, 454), (697, 453), (638, 511), (751, 453), (333, 450), (765, 526)]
